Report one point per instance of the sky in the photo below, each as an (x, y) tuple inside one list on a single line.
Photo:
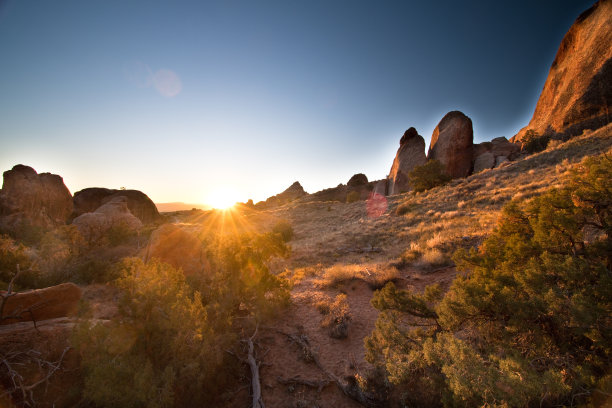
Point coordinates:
[(189, 100)]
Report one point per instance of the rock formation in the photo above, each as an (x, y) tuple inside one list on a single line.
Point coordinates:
[(42, 304), (451, 144), (115, 213), (357, 180), (410, 154), (489, 154), (293, 192), (139, 204), (577, 94), (27, 197)]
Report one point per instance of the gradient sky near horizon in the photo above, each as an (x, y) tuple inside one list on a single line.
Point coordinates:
[(183, 99)]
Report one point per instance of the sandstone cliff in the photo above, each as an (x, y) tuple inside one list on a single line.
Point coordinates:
[(577, 94)]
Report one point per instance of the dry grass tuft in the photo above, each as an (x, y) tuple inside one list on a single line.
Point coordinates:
[(376, 276), (337, 316)]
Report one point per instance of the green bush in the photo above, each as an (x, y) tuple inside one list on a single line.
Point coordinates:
[(285, 230), (427, 176), (533, 142), (530, 322)]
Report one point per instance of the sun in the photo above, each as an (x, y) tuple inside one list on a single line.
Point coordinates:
[(222, 198)]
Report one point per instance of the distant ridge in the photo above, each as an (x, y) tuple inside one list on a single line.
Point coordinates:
[(178, 206)]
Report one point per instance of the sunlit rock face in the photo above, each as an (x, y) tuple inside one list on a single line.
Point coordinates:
[(114, 214), (577, 94), (451, 144), (139, 204), (410, 154), (40, 200)]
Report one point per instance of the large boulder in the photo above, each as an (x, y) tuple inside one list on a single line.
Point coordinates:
[(114, 214), (178, 247), (410, 154), (358, 180), (42, 304), (452, 144), (488, 154), (140, 205), (577, 94), (41, 200)]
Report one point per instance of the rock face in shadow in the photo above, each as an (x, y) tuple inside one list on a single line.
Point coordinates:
[(577, 94), (114, 214), (451, 144), (410, 154), (139, 204), (40, 200), (489, 154), (357, 180), (42, 304)]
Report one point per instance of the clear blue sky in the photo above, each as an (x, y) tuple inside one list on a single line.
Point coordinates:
[(182, 98)]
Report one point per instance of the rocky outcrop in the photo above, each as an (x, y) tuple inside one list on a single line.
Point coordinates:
[(410, 154), (42, 304), (115, 213), (29, 198), (451, 144), (490, 154), (178, 247), (577, 94), (292, 193), (139, 204), (357, 180)]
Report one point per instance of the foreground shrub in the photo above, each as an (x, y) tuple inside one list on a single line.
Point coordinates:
[(162, 352), (427, 176), (530, 322)]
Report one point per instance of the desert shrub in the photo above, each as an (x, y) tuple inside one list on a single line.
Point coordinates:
[(285, 230), (427, 176), (353, 197), (533, 142), (529, 324), (336, 316)]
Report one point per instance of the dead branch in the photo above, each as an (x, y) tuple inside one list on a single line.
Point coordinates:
[(21, 358), (254, 365)]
